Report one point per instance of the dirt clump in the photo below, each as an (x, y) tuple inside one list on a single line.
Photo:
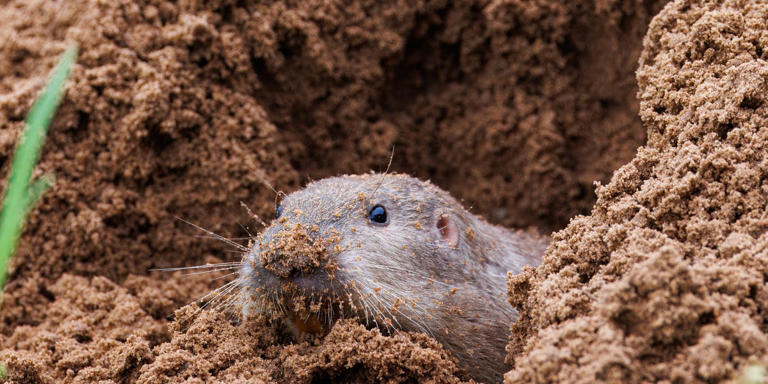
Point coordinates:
[(293, 249), (665, 280), (212, 349), (93, 330), (96, 330)]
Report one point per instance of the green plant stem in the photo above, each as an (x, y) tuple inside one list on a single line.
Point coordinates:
[(19, 195)]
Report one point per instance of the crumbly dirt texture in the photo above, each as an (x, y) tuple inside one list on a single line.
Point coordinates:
[(665, 281), (188, 108), (295, 249)]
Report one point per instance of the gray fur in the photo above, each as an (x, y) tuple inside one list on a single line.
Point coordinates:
[(456, 295)]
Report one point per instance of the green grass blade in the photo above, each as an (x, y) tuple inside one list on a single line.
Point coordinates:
[(36, 190), (19, 196)]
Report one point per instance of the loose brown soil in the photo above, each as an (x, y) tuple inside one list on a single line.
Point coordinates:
[(665, 281), (185, 109)]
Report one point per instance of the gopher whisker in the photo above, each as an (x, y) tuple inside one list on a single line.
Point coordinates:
[(221, 295), (216, 236), (225, 276), (203, 266)]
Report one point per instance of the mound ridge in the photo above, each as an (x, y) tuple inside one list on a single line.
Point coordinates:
[(665, 281)]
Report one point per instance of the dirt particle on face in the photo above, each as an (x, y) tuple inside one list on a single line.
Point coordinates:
[(293, 250)]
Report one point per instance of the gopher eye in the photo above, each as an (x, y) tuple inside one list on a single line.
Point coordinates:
[(378, 215), (278, 211)]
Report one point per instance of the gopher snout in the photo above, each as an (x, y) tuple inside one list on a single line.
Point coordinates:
[(291, 252), (286, 265)]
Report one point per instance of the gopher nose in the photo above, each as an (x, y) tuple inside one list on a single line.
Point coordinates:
[(287, 265), (292, 252)]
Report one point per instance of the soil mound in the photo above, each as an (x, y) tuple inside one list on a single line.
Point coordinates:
[(665, 281), (185, 109)]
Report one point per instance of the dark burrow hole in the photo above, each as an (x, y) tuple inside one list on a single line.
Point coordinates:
[(750, 103), (723, 129), (707, 318)]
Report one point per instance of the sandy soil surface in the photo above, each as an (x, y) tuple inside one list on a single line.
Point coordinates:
[(665, 281), (185, 109)]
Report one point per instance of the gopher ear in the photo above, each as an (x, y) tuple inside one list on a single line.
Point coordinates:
[(448, 230)]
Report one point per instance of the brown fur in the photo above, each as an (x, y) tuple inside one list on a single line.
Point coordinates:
[(323, 259)]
